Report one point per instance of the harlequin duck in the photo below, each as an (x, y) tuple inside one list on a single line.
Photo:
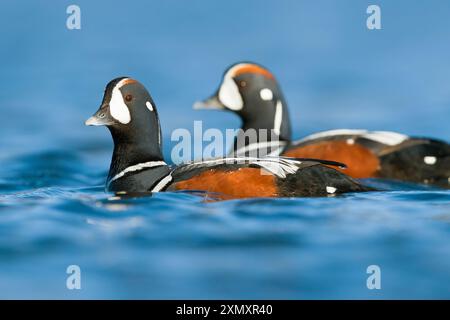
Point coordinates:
[(252, 92), (138, 166)]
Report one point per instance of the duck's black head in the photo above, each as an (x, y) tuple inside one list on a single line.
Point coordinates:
[(252, 92), (130, 114)]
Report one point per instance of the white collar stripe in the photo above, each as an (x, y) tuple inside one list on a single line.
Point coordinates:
[(138, 167)]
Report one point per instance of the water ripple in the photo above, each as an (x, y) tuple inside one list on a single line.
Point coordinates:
[(54, 212)]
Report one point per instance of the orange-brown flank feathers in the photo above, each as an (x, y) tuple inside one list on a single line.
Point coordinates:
[(251, 68), (361, 162), (239, 183)]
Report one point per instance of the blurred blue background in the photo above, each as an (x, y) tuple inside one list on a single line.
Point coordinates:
[(335, 73)]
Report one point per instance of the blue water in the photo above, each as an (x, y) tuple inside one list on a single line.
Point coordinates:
[(335, 74)]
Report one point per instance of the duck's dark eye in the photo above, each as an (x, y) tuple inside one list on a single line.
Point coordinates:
[(242, 84), (128, 97)]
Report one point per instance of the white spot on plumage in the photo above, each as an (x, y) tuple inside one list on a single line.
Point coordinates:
[(149, 105), (350, 141), (430, 160), (266, 94), (331, 190)]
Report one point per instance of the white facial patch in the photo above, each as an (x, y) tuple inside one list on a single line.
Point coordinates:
[(229, 94), (117, 106), (430, 160), (266, 94), (149, 105)]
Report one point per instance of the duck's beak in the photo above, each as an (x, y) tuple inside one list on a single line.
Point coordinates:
[(93, 121), (210, 103), (100, 118)]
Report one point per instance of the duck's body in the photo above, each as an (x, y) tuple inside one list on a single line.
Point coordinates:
[(379, 155), (252, 92), (231, 178), (137, 165)]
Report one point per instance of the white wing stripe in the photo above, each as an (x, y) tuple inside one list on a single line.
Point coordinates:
[(279, 167), (261, 145), (385, 137)]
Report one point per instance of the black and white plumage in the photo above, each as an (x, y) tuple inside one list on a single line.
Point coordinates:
[(252, 92), (401, 157), (137, 165)]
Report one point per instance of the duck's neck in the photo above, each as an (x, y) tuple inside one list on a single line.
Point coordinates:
[(268, 131), (134, 149)]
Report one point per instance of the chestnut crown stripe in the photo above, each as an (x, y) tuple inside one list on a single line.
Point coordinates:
[(126, 81), (251, 68)]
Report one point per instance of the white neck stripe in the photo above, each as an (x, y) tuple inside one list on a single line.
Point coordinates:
[(137, 167), (278, 118)]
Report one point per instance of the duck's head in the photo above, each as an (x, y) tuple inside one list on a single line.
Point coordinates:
[(128, 110), (252, 92)]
